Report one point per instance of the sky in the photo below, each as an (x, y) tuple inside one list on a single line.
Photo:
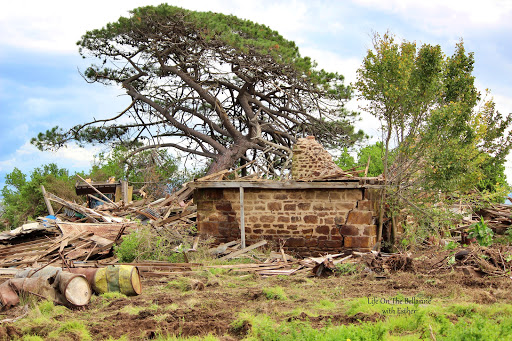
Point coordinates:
[(41, 85)]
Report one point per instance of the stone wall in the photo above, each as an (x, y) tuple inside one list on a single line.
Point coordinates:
[(308, 221), (311, 161)]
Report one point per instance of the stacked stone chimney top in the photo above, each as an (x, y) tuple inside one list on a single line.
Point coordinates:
[(312, 162)]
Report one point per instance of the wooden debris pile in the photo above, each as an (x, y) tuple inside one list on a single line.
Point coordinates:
[(478, 261), (497, 216)]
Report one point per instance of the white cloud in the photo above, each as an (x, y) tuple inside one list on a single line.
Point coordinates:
[(37, 25), (71, 157), (445, 17)]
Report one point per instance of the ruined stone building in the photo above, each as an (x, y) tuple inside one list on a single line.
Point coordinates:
[(321, 210)]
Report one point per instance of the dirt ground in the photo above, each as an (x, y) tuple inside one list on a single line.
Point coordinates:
[(170, 306)]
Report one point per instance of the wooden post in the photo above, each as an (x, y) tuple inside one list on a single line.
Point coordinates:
[(242, 218), (47, 202), (124, 191), (367, 166)]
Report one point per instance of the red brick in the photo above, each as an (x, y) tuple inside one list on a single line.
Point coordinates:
[(338, 220), (290, 207), (295, 195), (361, 242), (353, 194), (271, 231), (345, 206), (295, 219), (252, 219), (365, 205), (283, 219), (334, 195), (349, 230), (310, 194), (322, 230), (212, 194), (369, 230), (332, 244), (295, 242), (274, 206), (360, 217), (312, 242), (311, 219), (224, 206), (329, 221), (257, 231), (307, 231), (304, 206), (323, 195), (267, 218), (208, 228)]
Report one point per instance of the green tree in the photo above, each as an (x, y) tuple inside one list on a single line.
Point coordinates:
[(22, 198), (155, 169), (211, 85), (427, 104), (345, 160), (375, 152)]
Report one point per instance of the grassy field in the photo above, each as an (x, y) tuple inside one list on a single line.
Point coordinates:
[(352, 305)]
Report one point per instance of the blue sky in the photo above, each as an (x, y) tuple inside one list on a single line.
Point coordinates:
[(40, 85)]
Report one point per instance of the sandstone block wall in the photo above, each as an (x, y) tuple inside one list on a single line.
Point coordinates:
[(311, 161), (308, 221)]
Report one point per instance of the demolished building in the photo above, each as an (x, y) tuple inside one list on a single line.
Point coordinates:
[(322, 209)]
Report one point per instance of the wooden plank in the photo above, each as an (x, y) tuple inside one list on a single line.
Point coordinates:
[(279, 185), (71, 206), (47, 202), (242, 251), (97, 191)]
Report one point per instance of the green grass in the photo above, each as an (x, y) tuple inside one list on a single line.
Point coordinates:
[(275, 293), (74, 328)]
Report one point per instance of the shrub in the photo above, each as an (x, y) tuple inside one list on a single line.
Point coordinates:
[(481, 232)]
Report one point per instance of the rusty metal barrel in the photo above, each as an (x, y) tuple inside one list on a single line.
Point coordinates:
[(113, 278)]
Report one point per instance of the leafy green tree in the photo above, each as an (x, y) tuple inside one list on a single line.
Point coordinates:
[(345, 160), (211, 85), (155, 169), (375, 152), (22, 198), (427, 104)]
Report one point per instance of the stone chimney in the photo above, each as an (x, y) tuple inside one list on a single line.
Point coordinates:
[(312, 162)]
